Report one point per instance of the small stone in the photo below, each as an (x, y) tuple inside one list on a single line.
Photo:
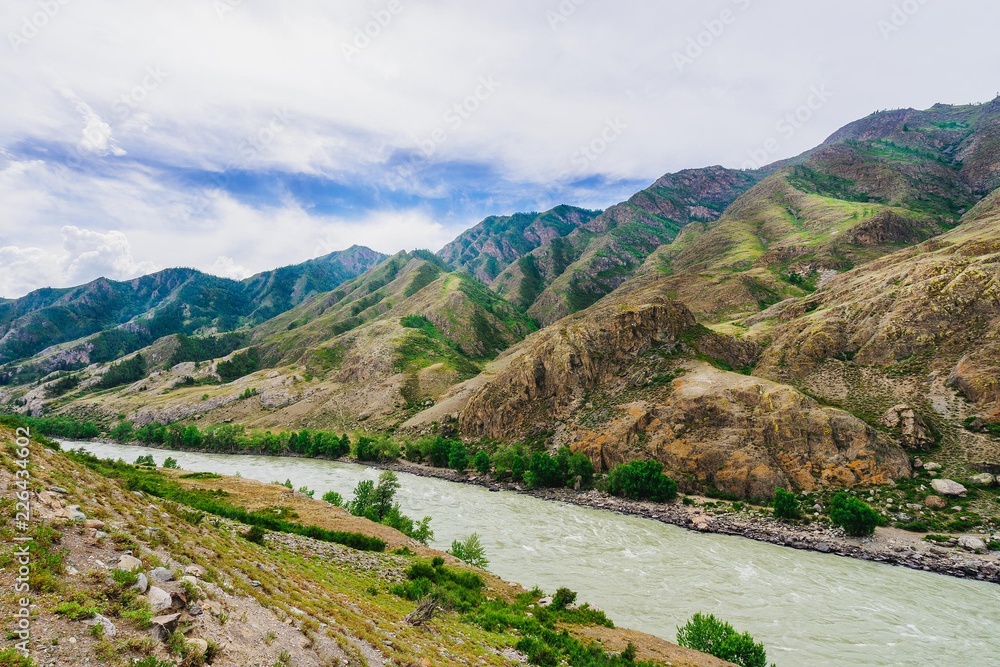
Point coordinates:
[(141, 584), (947, 487), (109, 628), (935, 502), (823, 548), (931, 467), (197, 646), (101, 535), (255, 583), (164, 626), (129, 563), (58, 489), (545, 602), (93, 523), (161, 575), (159, 599), (195, 571)]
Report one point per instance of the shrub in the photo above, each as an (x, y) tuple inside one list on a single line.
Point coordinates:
[(854, 516), (440, 452), (641, 480), (481, 462), (170, 463), (239, 365), (470, 551), (458, 456), (563, 598), (710, 635), (146, 460), (255, 535), (124, 372), (334, 498), (377, 503), (786, 505)]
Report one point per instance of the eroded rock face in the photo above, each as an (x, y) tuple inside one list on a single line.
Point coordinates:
[(609, 382), (912, 430)]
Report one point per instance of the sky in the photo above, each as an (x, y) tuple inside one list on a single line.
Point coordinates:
[(235, 136)]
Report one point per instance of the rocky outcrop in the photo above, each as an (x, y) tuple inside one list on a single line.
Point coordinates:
[(616, 382), (911, 429)]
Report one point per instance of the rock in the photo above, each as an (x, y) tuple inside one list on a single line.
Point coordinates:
[(984, 479), (823, 548), (74, 514), (913, 432), (142, 585), (197, 646), (164, 626), (947, 487), (159, 599), (914, 506), (58, 489), (931, 467), (129, 563), (255, 583), (109, 628), (545, 602), (972, 543), (161, 575), (93, 523), (935, 502), (195, 571), (702, 526)]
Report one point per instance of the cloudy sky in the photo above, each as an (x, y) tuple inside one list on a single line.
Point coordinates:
[(239, 135)]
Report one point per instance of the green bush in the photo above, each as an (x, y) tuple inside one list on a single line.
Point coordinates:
[(255, 535), (857, 518), (563, 469), (563, 598), (641, 480), (170, 463), (334, 498), (458, 457), (714, 637), (124, 372), (378, 504), (481, 462), (786, 505), (470, 551), (239, 365)]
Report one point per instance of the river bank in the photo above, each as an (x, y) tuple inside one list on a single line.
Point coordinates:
[(888, 546)]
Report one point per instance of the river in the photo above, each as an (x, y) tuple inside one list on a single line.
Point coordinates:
[(808, 608)]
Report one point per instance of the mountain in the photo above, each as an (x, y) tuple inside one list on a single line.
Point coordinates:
[(170, 301), (491, 246), (568, 273)]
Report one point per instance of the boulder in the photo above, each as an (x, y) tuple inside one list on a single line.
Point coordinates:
[(109, 628), (142, 584), (129, 563), (161, 575), (94, 523), (910, 428), (972, 543), (159, 599), (931, 467), (935, 502), (164, 626), (545, 602), (984, 479), (947, 487)]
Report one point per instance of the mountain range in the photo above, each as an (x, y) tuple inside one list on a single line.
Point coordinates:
[(823, 321)]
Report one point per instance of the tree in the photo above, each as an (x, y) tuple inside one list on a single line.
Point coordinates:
[(710, 635), (641, 480), (170, 463), (458, 457), (563, 598), (334, 498), (481, 462), (440, 452), (857, 518), (470, 551), (786, 505)]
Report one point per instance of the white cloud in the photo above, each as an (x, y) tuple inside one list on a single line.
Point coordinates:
[(228, 268), (84, 255)]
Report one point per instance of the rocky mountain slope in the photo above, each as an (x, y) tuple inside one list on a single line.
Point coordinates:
[(569, 273), (494, 244), (171, 301)]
